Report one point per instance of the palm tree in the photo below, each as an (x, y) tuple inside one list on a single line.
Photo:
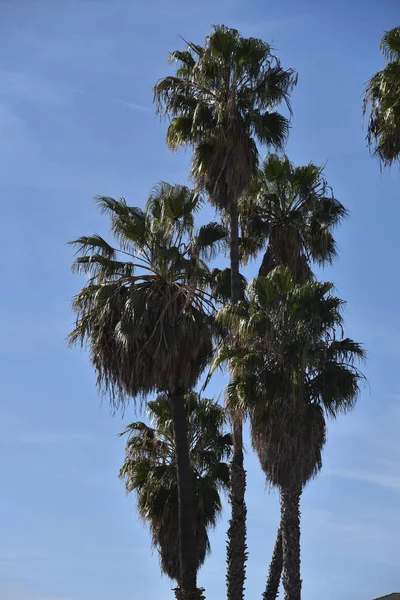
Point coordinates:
[(290, 213), (150, 470), (221, 101), (382, 97), (145, 315), (292, 370)]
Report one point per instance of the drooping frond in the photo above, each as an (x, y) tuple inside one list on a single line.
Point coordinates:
[(390, 44), (220, 284), (211, 239), (88, 244), (289, 443), (127, 222)]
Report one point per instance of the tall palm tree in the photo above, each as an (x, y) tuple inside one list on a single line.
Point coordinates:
[(144, 313), (382, 98), (290, 212), (222, 100), (150, 470), (292, 370)]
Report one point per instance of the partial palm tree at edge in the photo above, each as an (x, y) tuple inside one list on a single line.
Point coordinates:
[(382, 100)]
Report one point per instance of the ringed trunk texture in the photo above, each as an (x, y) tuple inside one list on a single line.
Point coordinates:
[(275, 570), (290, 527), (187, 589), (236, 545), (236, 294)]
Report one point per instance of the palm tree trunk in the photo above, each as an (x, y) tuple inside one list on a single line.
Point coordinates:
[(187, 589), (290, 526), (236, 294), (275, 570), (236, 546)]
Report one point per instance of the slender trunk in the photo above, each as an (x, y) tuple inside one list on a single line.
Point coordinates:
[(236, 293), (236, 545), (187, 589), (290, 524), (275, 570)]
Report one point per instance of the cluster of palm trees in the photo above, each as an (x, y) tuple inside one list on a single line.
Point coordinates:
[(156, 317)]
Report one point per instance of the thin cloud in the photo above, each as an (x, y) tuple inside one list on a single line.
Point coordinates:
[(385, 480), (131, 105), (360, 532)]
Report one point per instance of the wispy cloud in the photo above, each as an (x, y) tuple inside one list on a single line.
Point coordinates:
[(132, 105), (388, 480), (393, 396), (371, 528)]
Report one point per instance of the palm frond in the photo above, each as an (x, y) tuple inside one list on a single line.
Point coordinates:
[(220, 284), (390, 44), (88, 244), (382, 99), (211, 239)]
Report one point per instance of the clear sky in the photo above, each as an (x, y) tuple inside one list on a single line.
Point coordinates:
[(76, 119)]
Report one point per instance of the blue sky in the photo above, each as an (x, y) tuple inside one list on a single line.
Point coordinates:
[(76, 119)]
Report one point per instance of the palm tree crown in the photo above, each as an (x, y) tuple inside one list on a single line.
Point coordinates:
[(221, 101), (291, 211), (144, 310), (292, 369), (382, 96), (150, 470)]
